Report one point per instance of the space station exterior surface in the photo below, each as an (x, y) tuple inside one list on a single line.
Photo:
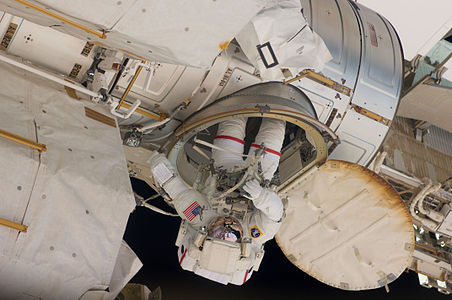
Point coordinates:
[(358, 89), (404, 170), (75, 219), (90, 94)]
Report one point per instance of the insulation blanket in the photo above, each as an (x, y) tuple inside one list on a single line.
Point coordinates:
[(179, 32), (190, 33), (280, 43), (75, 197)]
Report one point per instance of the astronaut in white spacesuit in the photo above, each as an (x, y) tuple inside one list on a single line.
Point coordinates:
[(222, 238)]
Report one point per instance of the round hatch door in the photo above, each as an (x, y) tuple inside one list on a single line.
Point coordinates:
[(346, 226)]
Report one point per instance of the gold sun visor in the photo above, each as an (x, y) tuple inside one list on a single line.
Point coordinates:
[(346, 226)]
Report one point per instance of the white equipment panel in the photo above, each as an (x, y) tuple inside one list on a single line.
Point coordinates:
[(360, 137), (50, 49), (435, 111), (381, 68), (335, 22), (346, 227)]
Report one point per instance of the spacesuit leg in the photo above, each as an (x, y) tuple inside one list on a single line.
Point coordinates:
[(271, 134), (230, 137)]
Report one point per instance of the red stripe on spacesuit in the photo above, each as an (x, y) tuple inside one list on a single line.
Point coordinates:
[(246, 274), (227, 137), (183, 256), (267, 149)]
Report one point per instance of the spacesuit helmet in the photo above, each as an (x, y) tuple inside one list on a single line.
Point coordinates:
[(225, 228)]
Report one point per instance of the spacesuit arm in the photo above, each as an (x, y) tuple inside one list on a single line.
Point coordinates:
[(265, 200), (189, 204), (266, 221)]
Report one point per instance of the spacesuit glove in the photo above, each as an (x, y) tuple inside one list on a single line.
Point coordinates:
[(266, 200), (161, 168), (253, 188), (157, 158)]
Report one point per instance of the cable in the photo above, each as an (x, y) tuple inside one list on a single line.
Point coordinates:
[(142, 202), (241, 181), (118, 75), (151, 198), (160, 211)]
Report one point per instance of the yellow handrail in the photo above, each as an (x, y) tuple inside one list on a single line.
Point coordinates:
[(312, 75), (22, 140), (151, 115), (13, 225), (58, 17), (129, 87)]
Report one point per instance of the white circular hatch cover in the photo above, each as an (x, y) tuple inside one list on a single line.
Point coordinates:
[(347, 227)]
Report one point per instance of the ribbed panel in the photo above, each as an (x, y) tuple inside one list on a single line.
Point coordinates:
[(431, 158), (439, 139)]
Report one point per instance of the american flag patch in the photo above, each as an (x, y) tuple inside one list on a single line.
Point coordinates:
[(192, 211)]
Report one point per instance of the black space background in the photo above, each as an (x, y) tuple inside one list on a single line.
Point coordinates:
[(152, 236)]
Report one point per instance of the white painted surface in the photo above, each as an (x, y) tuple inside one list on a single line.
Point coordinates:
[(47, 75), (427, 102), (49, 48), (360, 138), (5, 20), (419, 23)]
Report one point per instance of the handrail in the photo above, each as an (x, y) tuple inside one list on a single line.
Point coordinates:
[(13, 225), (58, 17), (129, 87), (22, 140)]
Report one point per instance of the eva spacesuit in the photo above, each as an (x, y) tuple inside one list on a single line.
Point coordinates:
[(221, 238)]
